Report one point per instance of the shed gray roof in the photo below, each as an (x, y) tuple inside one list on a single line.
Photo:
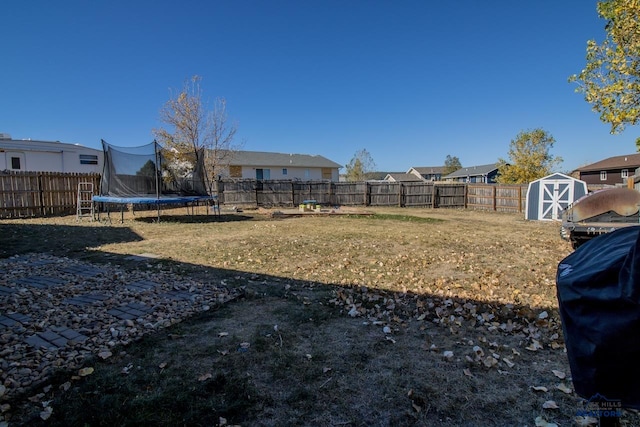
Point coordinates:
[(473, 171), (263, 158)]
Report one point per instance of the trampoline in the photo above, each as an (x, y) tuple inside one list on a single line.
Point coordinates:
[(144, 176)]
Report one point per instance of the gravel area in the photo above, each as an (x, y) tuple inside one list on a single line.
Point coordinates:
[(55, 312)]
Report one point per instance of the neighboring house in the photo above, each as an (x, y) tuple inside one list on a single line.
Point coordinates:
[(428, 173), (610, 171), (475, 174), (47, 156), (262, 165), (402, 177)]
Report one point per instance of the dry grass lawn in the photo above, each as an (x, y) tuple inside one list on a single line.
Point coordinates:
[(407, 317)]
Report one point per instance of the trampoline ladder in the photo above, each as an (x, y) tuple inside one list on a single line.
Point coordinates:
[(85, 201)]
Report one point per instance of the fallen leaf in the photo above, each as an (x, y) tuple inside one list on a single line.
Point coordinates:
[(559, 374), (508, 362), (85, 371), (308, 356), (223, 334), (222, 421), (162, 365), (204, 377), (448, 354), (386, 330), (541, 422), (223, 352), (467, 372), (586, 421), (105, 355), (534, 346), (46, 413), (325, 370), (550, 404), (490, 362), (415, 407), (540, 388), (245, 345), (5, 407), (66, 386), (564, 388)]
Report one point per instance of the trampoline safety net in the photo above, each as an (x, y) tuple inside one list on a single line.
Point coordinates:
[(144, 171)]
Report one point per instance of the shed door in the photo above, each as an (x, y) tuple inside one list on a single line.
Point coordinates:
[(555, 196)]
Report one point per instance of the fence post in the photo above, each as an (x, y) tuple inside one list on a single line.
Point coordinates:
[(400, 188), (434, 194), (366, 193), (495, 196), (40, 196), (520, 199), (293, 194)]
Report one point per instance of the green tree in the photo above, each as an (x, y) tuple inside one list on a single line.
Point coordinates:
[(611, 79), (360, 166), (148, 169), (194, 128), (529, 158), (451, 164)]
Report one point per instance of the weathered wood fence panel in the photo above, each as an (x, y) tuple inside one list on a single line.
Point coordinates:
[(29, 194), (450, 195), (494, 197), (350, 193), (418, 194)]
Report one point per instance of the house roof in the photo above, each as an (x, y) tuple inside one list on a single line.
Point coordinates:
[(628, 161), (404, 177), (474, 171), (377, 176), (263, 158), (37, 145), (427, 170)]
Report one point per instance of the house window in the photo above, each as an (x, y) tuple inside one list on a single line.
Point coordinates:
[(284, 171), (624, 173), (263, 174), (603, 175), (88, 159), (15, 163), (307, 174)]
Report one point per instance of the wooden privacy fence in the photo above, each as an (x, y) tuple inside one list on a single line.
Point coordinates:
[(28, 194), (506, 198)]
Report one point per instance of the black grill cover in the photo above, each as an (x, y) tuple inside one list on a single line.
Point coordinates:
[(599, 296)]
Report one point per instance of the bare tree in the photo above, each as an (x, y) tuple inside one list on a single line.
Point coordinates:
[(192, 129)]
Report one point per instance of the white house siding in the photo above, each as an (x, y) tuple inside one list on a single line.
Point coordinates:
[(45, 156), (276, 172)]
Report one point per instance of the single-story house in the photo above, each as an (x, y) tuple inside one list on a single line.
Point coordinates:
[(427, 173), (47, 156), (402, 177), (263, 165), (610, 171), (475, 174)]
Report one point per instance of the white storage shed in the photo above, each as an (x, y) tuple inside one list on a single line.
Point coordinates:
[(547, 197)]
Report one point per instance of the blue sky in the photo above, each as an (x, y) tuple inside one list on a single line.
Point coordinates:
[(409, 81)]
